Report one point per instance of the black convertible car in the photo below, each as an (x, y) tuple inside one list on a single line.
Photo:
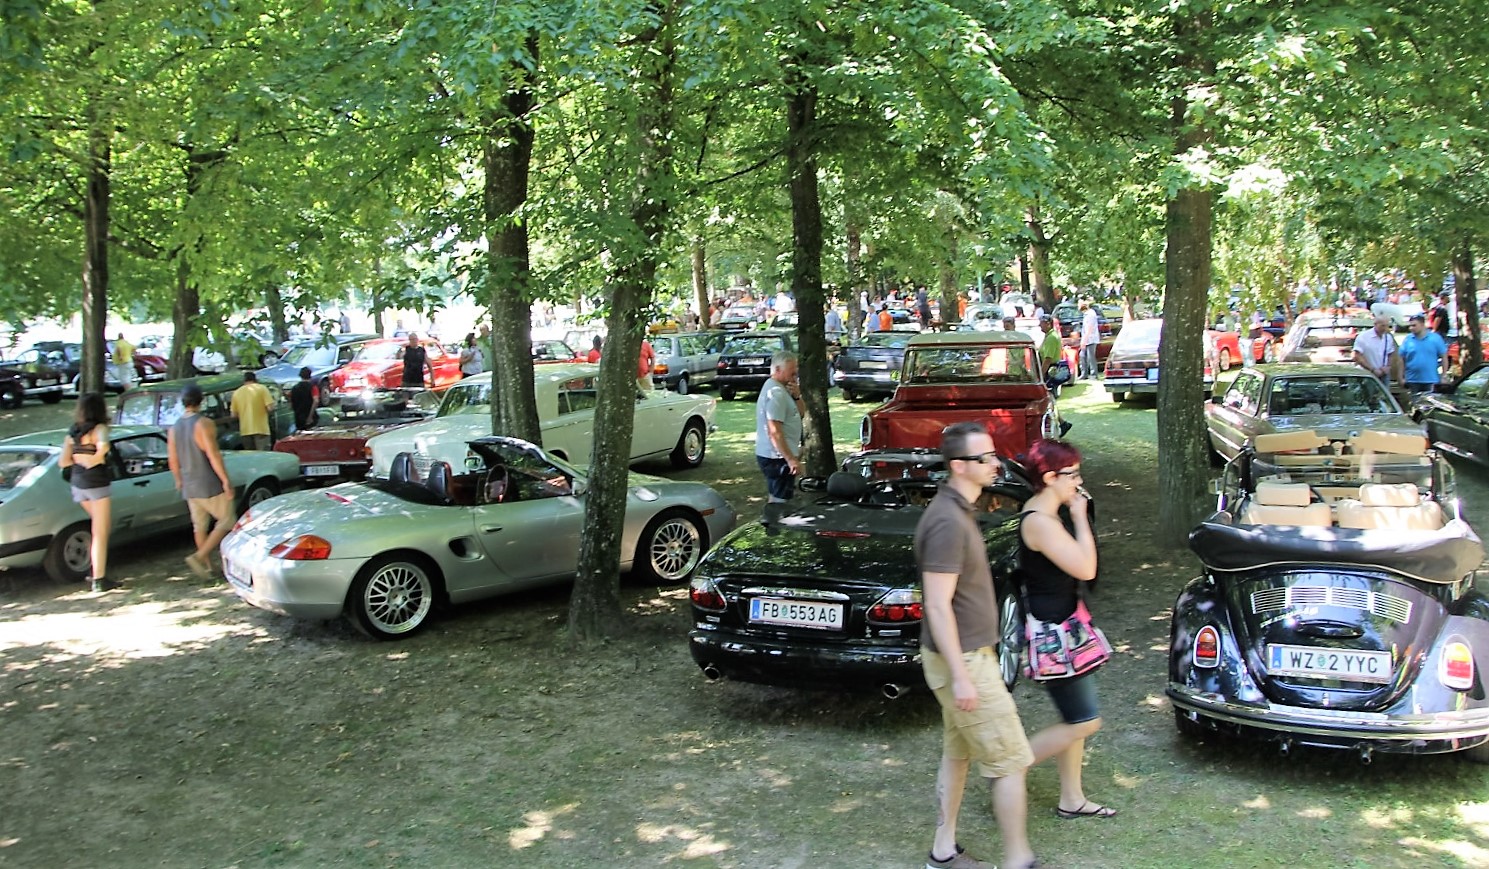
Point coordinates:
[(825, 592), (1457, 416), (1338, 605)]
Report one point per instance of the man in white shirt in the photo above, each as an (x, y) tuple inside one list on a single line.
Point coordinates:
[(1375, 351), (1090, 337)]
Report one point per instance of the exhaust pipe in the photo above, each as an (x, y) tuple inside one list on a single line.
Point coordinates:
[(711, 673), (1285, 747), (893, 691), (1366, 754)]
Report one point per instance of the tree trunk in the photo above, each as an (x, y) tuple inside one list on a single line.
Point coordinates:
[(185, 310), (700, 280), (277, 324), (806, 265), (948, 283), (95, 250), (594, 607), (854, 259), (1470, 343), (1038, 259), (1182, 466), (508, 157)]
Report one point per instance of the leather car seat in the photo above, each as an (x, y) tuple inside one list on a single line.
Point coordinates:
[(438, 481), (402, 469)]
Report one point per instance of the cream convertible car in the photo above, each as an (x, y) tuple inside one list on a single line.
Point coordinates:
[(386, 551)]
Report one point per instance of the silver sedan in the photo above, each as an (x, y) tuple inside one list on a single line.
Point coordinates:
[(385, 552)]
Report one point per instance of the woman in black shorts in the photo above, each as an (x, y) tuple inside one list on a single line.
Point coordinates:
[(85, 450), (1057, 552)]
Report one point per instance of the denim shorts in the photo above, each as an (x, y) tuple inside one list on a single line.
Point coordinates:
[(779, 481), (98, 494), (1075, 698)]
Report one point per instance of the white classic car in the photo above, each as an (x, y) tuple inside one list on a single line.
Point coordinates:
[(667, 424)]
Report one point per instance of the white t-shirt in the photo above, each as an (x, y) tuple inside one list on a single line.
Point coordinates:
[(1376, 349), (1090, 328)]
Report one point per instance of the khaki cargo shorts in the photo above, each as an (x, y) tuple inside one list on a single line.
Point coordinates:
[(992, 734), (204, 510)]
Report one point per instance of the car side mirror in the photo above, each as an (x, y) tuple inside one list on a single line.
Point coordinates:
[(578, 487)]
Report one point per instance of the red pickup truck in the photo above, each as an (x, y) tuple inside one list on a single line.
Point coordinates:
[(948, 377)]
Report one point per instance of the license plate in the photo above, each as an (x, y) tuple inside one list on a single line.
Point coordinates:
[(320, 470), (797, 614), (752, 360), (46, 382), (1318, 663), (1152, 375), (235, 576), (878, 366)]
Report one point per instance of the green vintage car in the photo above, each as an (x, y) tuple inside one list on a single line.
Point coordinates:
[(160, 404), (40, 524)]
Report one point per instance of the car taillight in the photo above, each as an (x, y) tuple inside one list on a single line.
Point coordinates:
[(306, 547), (723, 365), (899, 607), (1455, 668), (243, 520), (659, 368), (865, 430), (705, 594), (1207, 647)]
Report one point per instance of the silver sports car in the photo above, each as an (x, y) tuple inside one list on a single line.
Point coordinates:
[(384, 552), (40, 524)]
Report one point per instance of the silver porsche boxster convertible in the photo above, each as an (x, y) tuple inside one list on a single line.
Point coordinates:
[(385, 552)]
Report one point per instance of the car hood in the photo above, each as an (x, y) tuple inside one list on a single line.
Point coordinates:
[(1338, 426)]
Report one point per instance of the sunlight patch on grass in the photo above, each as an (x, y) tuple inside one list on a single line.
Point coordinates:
[(697, 844), (1384, 819), (1467, 853), (539, 825), (1259, 801), (147, 630), (1315, 813), (1155, 701)]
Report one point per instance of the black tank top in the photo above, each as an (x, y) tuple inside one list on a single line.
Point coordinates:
[(1051, 591), (87, 478)]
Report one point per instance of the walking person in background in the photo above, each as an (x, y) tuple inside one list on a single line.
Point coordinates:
[(85, 450), (1057, 552), (958, 654), (123, 358), (1090, 337), (778, 428), (644, 366), (303, 401), (202, 479), (471, 360), (923, 307), (251, 407)]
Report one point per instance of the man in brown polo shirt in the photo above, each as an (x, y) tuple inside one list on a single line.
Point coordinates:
[(958, 649)]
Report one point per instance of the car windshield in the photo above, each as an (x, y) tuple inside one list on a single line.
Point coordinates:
[(759, 344), (1139, 336), (466, 398), (1331, 335), (971, 364), (311, 356), (1295, 395), (886, 339), (380, 352), (741, 312), (137, 409), (16, 464)]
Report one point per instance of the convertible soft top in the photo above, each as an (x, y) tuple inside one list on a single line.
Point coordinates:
[(1440, 556)]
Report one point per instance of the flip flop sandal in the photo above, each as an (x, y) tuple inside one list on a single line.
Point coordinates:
[(1087, 810)]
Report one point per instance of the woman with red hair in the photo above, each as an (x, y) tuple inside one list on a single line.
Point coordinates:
[(1058, 552)]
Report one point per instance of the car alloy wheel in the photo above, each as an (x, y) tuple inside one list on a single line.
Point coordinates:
[(258, 494), (391, 598), (682, 385), (1010, 639), (70, 553), (670, 547), (691, 447), (11, 397)]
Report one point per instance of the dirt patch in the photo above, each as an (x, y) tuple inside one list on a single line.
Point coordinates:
[(170, 725)]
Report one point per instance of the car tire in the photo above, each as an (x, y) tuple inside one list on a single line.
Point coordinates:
[(392, 596), (1118, 397), (1477, 754), (70, 553), (727, 393), (1010, 639), (682, 385), (691, 446), (257, 494), (51, 398), (849, 395), (669, 549), (325, 390), (11, 397)]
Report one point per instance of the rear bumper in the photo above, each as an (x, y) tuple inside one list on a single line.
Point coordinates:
[(799, 663), (865, 382), (1420, 733), (747, 382)]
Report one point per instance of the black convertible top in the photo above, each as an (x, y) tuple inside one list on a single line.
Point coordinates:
[(1443, 556)]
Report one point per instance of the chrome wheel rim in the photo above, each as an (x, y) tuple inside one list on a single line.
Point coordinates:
[(77, 551), (259, 496), (675, 549), (692, 445), (1010, 640), (398, 598)]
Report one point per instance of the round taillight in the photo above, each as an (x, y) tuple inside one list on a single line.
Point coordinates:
[(1207, 647)]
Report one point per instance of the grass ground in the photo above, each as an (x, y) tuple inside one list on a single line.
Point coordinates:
[(169, 725)]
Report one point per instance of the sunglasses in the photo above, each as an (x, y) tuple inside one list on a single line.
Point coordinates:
[(984, 459)]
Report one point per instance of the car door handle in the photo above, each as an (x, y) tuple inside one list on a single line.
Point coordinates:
[(142, 482), (491, 529)]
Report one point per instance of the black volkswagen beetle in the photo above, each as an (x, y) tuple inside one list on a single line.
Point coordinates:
[(1338, 605), (824, 592)]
